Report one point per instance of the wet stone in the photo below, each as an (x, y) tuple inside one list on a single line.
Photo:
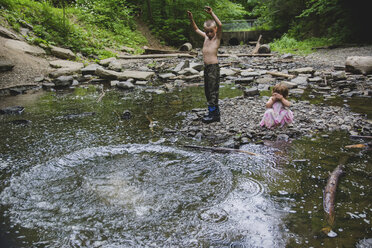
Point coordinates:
[(246, 80), (127, 85), (13, 110), (63, 81), (251, 92), (90, 69)]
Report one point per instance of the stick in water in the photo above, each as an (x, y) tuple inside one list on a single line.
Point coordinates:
[(220, 149)]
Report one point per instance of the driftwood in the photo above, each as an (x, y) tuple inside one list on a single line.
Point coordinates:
[(154, 56), (360, 146), (279, 74), (255, 50), (220, 149), (149, 50), (101, 96), (329, 196), (245, 55)]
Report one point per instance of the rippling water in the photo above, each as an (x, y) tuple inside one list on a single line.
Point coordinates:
[(143, 195), (99, 181)]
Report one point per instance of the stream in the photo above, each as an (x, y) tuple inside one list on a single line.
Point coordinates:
[(77, 174)]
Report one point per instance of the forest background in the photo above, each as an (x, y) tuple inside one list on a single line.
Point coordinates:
[(92, 26)]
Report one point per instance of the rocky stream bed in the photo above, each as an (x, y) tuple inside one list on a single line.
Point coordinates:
[(319, 77)]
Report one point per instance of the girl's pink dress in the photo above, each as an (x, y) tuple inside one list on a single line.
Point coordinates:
[(278, 115)]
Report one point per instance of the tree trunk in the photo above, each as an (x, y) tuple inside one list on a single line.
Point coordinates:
[(149, 10)]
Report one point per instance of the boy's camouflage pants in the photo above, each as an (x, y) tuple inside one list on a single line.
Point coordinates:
[(212, 83)]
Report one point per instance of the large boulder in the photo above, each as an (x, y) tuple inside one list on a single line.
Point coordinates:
[(359, 64)]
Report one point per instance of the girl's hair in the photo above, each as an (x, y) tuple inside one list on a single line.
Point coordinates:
[(281, 89)]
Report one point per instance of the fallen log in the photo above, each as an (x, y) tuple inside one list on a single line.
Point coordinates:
[(279, 74), (154, 56), (329, 194), (220, 149)]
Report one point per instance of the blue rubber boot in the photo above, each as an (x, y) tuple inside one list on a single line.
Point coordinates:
[(213, 115)]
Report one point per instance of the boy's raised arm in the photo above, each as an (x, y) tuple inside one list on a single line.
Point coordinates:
[(215, 18), (197, 30)]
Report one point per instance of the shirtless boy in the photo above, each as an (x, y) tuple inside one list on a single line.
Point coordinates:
[(212, 39)]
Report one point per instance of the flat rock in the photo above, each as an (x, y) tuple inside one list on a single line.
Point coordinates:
[(227, 72), (251, 92), (63, 72), (338, 75), (166, 75), (243, 80), (24, 47), (137, 75), (303, 70), (296, 92), (299, 80), (246, 73), (63, 81), (8, 34), (265, 80), (141, 83), (125, 85), (90, 69), (60, 63), (106, 62), (182, 65), (290, 85), (188, 72), (48, 86), (107, 74), (115, 65), (62, 53), (315, 79)]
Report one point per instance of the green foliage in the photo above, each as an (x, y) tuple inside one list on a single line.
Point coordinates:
[(87, 27), (337, 20), (169, 21), (287, 44)]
